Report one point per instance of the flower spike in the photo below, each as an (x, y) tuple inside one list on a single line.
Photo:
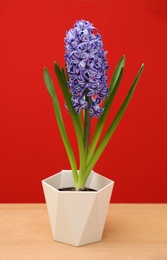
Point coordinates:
[(86, 66)]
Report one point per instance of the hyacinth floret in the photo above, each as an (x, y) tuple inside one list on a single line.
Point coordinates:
[(86, 66)]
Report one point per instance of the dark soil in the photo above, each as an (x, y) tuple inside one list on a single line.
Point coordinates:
[(73, 189)]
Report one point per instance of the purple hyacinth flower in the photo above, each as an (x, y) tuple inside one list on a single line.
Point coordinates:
[(86, 66)]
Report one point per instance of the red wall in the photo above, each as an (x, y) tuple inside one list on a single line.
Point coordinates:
[(32, 36)]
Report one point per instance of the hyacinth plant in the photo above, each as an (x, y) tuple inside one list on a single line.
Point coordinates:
[(84, 84)]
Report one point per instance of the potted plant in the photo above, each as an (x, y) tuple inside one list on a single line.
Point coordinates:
[(78, 199)]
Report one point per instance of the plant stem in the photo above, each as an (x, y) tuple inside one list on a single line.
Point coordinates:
[(87, 124), (86, 140)]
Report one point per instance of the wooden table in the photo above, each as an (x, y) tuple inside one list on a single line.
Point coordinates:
[(132, 232)]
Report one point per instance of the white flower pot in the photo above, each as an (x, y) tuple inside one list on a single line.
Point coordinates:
[(77, 218)]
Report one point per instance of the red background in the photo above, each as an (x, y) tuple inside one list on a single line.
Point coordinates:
[(32, 36)]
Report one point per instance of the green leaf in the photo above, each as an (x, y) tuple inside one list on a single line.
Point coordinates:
[(63, 73), (50, 87), (115, 76), (117, 71), (64, 88), (75, 118), (113, 125), (101, 121), (67, 76), (49, 83)]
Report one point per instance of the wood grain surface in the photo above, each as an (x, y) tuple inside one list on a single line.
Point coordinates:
[(132, 232)]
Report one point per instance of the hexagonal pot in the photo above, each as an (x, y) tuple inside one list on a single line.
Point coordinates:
[(76, 217)]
